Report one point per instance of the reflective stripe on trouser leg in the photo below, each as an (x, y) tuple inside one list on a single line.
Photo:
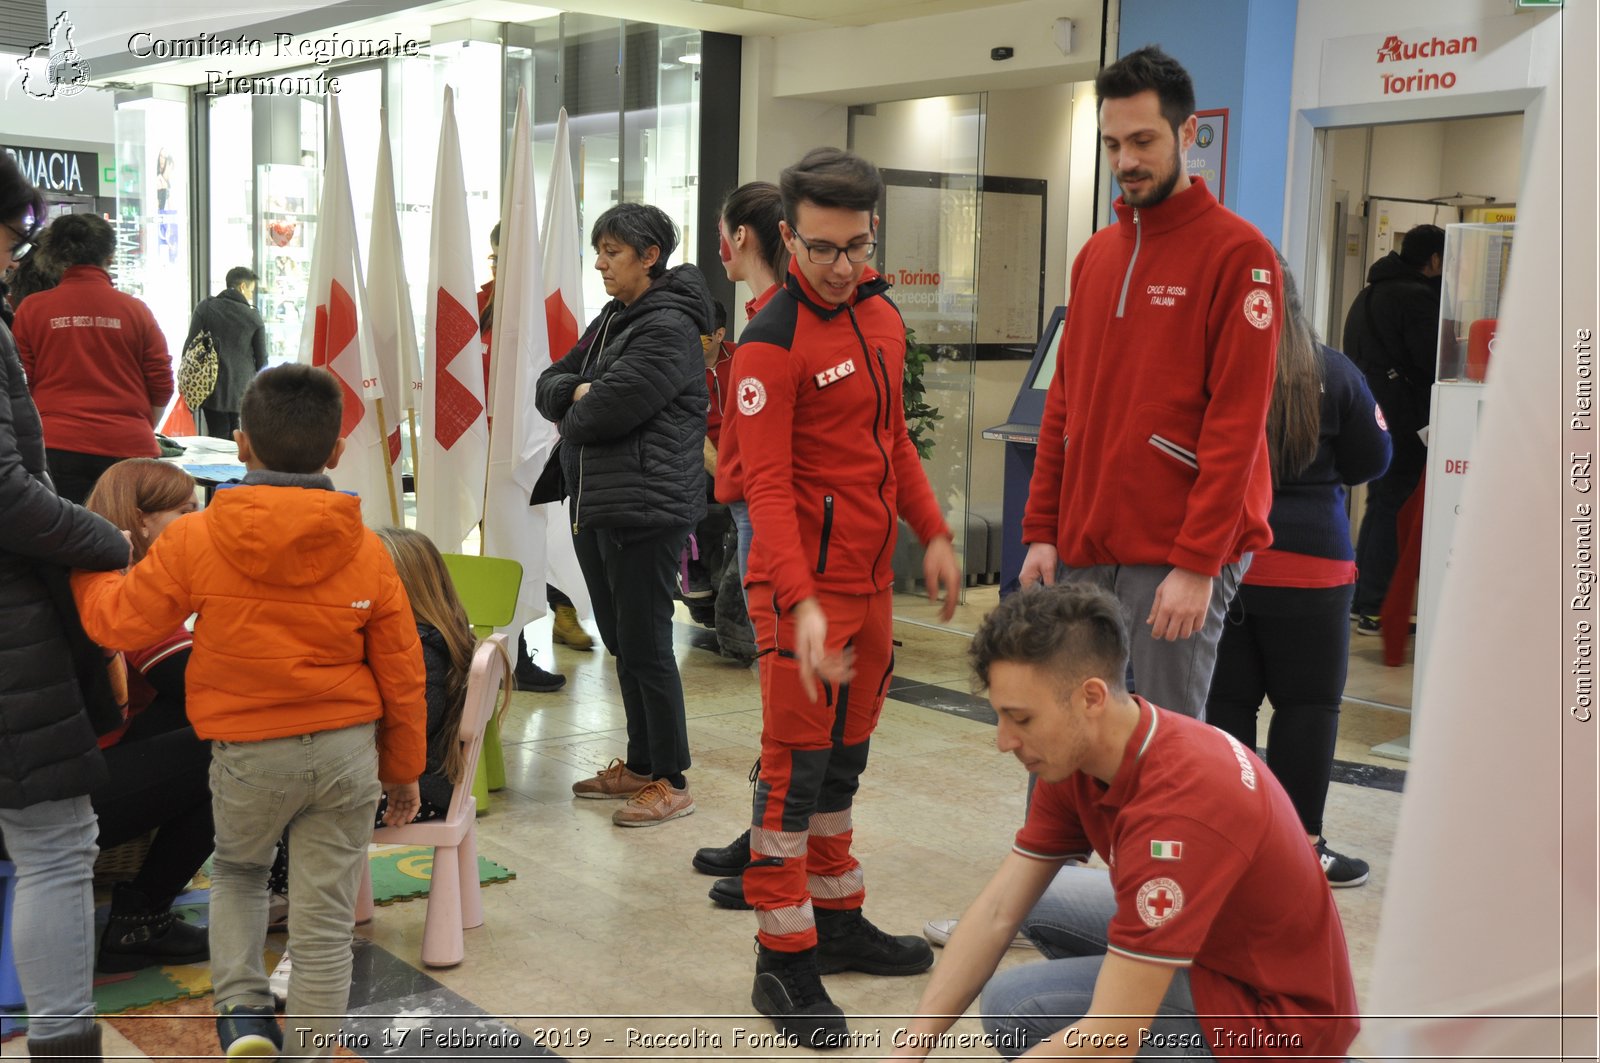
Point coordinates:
[(807, 770), (834, 876)]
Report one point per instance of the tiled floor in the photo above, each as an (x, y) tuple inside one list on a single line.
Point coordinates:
[(606, 931)]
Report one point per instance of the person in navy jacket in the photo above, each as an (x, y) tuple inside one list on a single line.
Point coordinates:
[(1287, 637)]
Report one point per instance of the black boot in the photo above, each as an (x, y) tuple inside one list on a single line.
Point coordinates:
[(729, 892), (789, 991), (728, 860), (529, 676), (846, 941), (141, 934), (79, 1046)]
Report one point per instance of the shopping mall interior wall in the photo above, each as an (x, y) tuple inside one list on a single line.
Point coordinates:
[(1239, 53), (775, 131), (940, 55), (1324, 98)]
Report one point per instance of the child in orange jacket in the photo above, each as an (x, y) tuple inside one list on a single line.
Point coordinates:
[(307, 677)]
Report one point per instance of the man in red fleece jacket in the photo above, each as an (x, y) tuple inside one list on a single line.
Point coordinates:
[(828, 469), (1152, 477)]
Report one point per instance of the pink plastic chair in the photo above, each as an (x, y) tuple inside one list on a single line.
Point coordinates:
[(453, 901)]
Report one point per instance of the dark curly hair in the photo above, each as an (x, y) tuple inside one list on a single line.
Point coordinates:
[(1149, 70), (78, 240), (1075, 630)]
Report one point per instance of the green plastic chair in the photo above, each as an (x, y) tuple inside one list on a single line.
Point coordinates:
[(488, 589)]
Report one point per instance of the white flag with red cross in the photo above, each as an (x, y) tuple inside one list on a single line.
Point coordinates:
[(335, 337), (520, 439), (454, 444), (563, 309), (394, 333)]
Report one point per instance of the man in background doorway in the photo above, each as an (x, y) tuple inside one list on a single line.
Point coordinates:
[(1152, 478), (241, 338), (1392, 334)]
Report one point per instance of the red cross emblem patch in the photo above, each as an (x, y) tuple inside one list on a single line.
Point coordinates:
[(752, 396), (1159, 900), (1258, 308)]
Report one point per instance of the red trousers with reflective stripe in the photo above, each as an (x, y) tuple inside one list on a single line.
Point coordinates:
[(812, 756)]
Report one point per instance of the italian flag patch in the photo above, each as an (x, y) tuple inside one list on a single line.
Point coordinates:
[(1166, 850), (1260, 276)]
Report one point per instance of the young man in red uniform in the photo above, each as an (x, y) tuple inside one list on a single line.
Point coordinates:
[(1152, 477), (828, 470), (1213, 933)]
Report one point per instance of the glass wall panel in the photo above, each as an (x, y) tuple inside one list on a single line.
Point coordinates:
[(931, 155), (153, 215), (232, 190), (668, 135)]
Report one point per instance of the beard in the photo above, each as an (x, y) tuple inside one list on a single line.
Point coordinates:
[(1161, 185)]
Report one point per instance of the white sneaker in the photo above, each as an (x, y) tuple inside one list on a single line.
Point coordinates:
[(278, 981), (938, 932)]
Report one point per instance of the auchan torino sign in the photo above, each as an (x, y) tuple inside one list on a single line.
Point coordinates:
[(1441, 59), (1404, 51)]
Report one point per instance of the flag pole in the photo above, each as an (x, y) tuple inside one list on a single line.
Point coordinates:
[(411, 420), (388, 466)]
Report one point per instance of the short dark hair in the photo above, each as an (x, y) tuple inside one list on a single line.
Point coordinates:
[(79, 240), (293, 414), (759, 205), (19, 199), (1420, 244), (830, 177), (640, 226), (1149, 70), (494, 236), (240, 275), (1073, 629), (719, 315)]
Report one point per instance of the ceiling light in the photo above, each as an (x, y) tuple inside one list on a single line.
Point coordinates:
[(692, 58)]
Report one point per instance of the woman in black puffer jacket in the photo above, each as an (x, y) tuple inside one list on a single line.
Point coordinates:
[(49, 674), (630, 400)]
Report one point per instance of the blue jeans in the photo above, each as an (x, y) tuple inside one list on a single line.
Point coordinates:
[(1024, 1005), (741, 520), (323, 789), (53, 846)]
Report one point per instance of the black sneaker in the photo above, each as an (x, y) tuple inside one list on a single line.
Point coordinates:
[(1367, 624), (846, 941), (728, 860), (530, 676), (1342, 871), (788, 990), (249, 1033)]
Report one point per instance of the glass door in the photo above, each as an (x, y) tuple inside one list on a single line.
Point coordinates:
[(930, 152)]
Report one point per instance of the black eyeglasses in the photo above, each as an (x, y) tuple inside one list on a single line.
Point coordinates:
[(24, 244), (827, 254)]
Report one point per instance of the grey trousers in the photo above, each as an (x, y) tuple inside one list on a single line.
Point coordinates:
[(1173, 675)]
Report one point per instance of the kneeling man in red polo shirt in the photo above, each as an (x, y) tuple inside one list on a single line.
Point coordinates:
[(1213, 933)]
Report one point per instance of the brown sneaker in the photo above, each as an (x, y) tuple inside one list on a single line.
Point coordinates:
[(568, 631), (612, 781), (656, 803)]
